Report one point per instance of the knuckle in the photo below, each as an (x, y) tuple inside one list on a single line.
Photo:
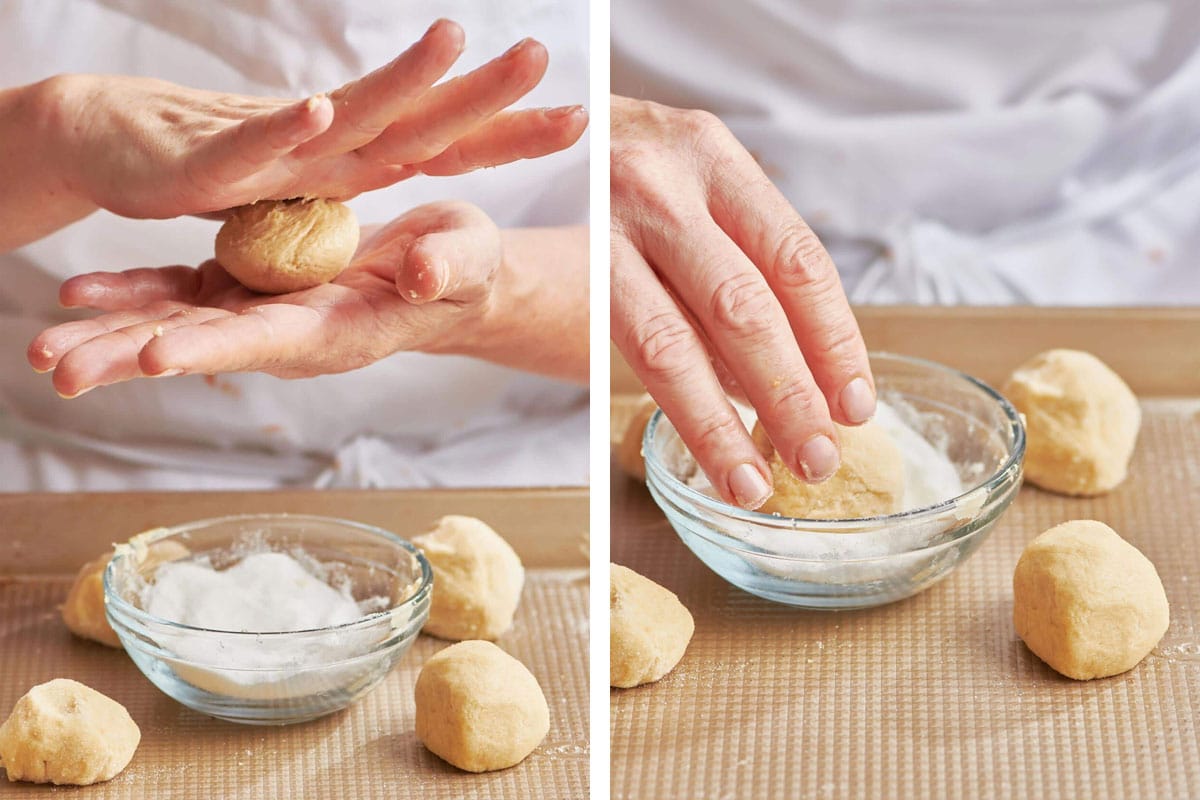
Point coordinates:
[(800, 261), (715, 431), (662, 346), (798, 402), (742, 305), (702, 125)]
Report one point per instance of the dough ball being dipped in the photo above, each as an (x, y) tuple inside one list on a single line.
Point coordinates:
[(629, 449), (63, 732), (649, 629), (279, 246), (869, 483), (1087, 602), (83, 610), (479, 708), (477, 579), (1081, 422)]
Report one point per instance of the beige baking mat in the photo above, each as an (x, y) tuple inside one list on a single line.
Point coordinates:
[(932, 697), (367, 751)]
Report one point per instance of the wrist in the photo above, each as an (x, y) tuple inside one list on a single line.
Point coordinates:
[(52, 117)]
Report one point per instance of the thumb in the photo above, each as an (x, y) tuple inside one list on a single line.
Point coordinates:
[(454, 254)]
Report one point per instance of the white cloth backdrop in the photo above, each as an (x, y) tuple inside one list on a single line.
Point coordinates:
[(978, 152), (411, 420)]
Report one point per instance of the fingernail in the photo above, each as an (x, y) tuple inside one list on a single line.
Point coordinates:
[(313, 103), (750, 489), (169, 373), (818, 458), (80, 393), (858, 401), (518, 46), (562, 111)]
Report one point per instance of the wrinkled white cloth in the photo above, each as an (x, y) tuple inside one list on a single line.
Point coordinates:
[(410, 420), (977, 152)]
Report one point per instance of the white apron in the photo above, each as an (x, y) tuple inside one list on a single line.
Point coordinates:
[(973, 152), (409, 420)]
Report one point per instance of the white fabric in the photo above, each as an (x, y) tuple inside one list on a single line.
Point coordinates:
[(979, 152), (410, 420)]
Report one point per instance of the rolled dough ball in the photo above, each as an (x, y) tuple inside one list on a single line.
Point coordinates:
[(649, 629), (869, 482), (629, 451), (1087, 602), (479, 708), (66, 733), (83, 610), (477, 579), (278, 246), (1081, 421)]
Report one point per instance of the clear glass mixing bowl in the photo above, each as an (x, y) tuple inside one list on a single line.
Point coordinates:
[(278, 677), (858, 563)]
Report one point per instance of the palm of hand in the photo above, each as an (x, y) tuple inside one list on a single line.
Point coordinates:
[(177, 320)]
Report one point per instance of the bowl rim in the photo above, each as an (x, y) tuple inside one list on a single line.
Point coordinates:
[(125, 550), (851, 526)]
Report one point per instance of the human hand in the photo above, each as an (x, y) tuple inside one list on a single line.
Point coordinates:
[(418, 283), (717, 280), (150, 149)]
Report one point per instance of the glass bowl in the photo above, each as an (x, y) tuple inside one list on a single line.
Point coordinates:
[(858, 563), (273, 678)]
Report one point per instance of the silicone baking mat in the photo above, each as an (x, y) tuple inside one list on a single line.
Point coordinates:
[(931, 697), (366, 751)]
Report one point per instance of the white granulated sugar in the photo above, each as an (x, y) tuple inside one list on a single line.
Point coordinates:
[(262, 592), (930, 477)]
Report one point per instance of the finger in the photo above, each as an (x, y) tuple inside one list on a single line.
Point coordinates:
[(665, 352), (453, 255), (49, 346), (264, 338), (239, 151), (130, 289), (509, 137), (365, 107), (453, 109), (749, 332), (113, 357), (134, 288), (752, 211)]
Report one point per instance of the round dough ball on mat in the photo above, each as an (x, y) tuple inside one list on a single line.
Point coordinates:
[(66, 733), (1087, 602), (1081, 421), (278, 246), (477, 579), (83, 610), (869, 482), (649, 629), (479, 708), (629, 449)]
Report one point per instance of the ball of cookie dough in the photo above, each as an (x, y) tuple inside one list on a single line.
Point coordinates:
[(278, 246), (63, 732), (1081, 421), (1087, 602), (649, 629), (479, 708), (868, 483), (83, 610), (477, 579), (629, 450)]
